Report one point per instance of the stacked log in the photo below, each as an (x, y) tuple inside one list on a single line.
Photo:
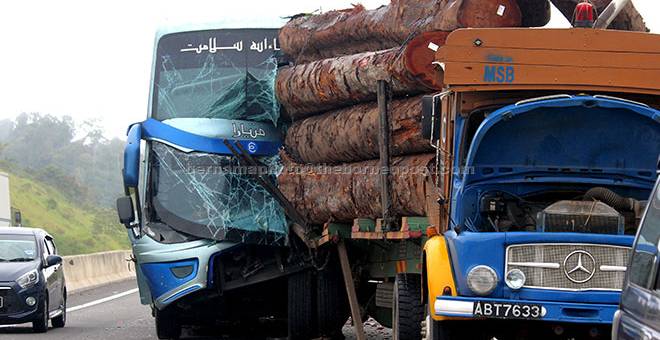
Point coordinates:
[(332, 172), (322, 85), (351, 134), (342, 193), (356, 30)]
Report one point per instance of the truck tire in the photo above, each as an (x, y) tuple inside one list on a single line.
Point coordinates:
[(301, 317), (167, 325), (331, 301), (40, 324), (407, 307), (444, 330)]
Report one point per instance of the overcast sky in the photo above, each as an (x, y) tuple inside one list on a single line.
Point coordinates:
[(92, 59)]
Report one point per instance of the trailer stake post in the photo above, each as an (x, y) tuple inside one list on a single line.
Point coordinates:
[(385, 162), (350, 290)]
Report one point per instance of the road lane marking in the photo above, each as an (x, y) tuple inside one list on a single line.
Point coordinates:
[(104, 300), (93, 303)]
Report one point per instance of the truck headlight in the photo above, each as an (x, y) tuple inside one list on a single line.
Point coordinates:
[(515, 279), (28, 279), (482, 280)]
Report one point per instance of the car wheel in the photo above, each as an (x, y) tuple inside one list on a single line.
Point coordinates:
[(167, 325), (60, 320), (40, 324), (407, 307)]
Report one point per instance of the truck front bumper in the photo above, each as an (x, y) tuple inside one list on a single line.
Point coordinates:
[(463, 307)]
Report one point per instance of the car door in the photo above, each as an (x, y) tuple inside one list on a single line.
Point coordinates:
[(640, 301), (50, 275), (58, 272)]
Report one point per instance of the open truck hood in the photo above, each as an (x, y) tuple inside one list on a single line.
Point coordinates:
[(577, 135)]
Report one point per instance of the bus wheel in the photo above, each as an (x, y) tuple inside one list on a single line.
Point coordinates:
[(331, 300), (407, 308), (301, 317), (167, 325)]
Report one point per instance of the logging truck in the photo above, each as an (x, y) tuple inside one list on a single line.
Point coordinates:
[(549, 141)]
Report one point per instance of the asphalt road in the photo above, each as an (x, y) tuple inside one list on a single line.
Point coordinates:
[(114, 312), (121, 318)]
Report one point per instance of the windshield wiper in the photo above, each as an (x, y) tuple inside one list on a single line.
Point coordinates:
[(20, 259)]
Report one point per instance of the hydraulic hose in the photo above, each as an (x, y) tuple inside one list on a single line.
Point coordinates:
[(610, 198)]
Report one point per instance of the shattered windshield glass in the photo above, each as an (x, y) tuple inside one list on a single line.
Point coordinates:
[(227, 73), (211, 196)]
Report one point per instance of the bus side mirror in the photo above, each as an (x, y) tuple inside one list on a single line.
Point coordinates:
[(131, 170), (431, 115), (125, 211)]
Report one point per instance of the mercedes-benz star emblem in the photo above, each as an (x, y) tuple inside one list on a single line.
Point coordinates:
[(579, 266)]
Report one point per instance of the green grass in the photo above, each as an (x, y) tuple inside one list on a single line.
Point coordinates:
[(77, 229)]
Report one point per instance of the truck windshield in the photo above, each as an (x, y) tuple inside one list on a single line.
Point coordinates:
[(227, 73), (15, 248), (210, 196)]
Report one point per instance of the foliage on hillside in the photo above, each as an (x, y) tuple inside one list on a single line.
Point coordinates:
[(74, 158), (77, 229), (64, 177)]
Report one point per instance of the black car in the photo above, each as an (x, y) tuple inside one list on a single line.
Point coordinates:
[(638, 316), (32, 287)]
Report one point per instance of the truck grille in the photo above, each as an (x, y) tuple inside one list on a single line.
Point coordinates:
[(570, 266)]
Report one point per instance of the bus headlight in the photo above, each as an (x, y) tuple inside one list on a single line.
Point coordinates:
[(482, 280), (515, 279)]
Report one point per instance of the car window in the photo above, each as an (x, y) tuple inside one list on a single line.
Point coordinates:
[(47, 248), (644, 263), (51, 246)]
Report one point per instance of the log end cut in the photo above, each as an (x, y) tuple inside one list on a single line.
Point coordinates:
[(419, 57), (490, 13)]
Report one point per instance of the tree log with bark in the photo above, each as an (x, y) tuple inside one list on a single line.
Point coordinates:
[(355, 30), (351, 134), (344, 192), (326, 84)]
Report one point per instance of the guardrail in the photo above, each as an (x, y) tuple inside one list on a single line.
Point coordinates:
[(92, 270)]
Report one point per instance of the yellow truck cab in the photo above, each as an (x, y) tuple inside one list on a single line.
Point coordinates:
[(546, 143)]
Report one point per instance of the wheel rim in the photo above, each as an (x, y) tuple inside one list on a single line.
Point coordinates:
[(46, 318), (427, 327), (64, 311)]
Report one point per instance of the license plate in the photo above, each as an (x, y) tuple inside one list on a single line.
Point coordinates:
[(506, 310)]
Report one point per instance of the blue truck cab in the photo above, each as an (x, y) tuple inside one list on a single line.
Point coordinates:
[(199, 223), (541, 185)]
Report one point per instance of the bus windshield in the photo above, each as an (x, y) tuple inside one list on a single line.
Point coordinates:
[(228, 74), (218, 78)]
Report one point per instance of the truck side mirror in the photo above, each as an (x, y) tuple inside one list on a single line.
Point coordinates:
[(125, 211), (431, 115)]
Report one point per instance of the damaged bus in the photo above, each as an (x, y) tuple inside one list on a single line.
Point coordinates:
[(207, 233)]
